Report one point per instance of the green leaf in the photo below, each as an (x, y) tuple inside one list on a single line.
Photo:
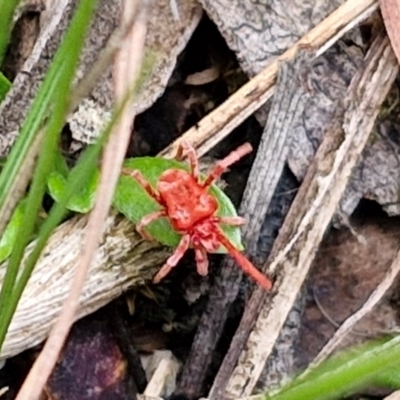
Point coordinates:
[(27, 145), (10, 233), (132, 200), (5, 86), (7, 8), (390, 378), (83, 200), (60, 164)]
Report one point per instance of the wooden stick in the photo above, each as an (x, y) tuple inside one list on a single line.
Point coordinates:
[(250, 97), (308, 219)]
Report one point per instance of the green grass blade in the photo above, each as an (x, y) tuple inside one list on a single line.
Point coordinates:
[(5, 86), (12, 173), (343, 374), (7, 8), (76, 180), (10, 235), (73, 41)]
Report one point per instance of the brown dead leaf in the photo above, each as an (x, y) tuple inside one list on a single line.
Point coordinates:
[(390, 10)]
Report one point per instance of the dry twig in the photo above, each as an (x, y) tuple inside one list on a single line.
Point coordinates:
[(248, 99), (127, 68), (264, 176), (262, 183), (309, 217), (394, 396)]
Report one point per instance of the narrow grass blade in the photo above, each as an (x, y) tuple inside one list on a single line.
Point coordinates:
[(5, 86), (7, 8), (343, 374), (61, 80)]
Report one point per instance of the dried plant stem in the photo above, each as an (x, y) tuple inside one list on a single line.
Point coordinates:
[(249, 98), (261, 184), (123, 260), (394, 396), (308, 218), (112, 162)]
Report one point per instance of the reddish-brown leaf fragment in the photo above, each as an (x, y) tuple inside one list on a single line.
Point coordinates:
[(391, 17), (91, 366)]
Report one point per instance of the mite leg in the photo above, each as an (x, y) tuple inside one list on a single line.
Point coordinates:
[(174, 259), (185, 149), (144, 182), (225, 163), (201, 260), (244, 263), (147, 220)]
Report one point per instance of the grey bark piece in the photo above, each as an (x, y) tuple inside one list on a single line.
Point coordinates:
[(55, 21), (166, 38), (14, 108), (305, 226), (328, 76), (264, 177), (258, 32), (376, 176), (274, 146), (123, 260)]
